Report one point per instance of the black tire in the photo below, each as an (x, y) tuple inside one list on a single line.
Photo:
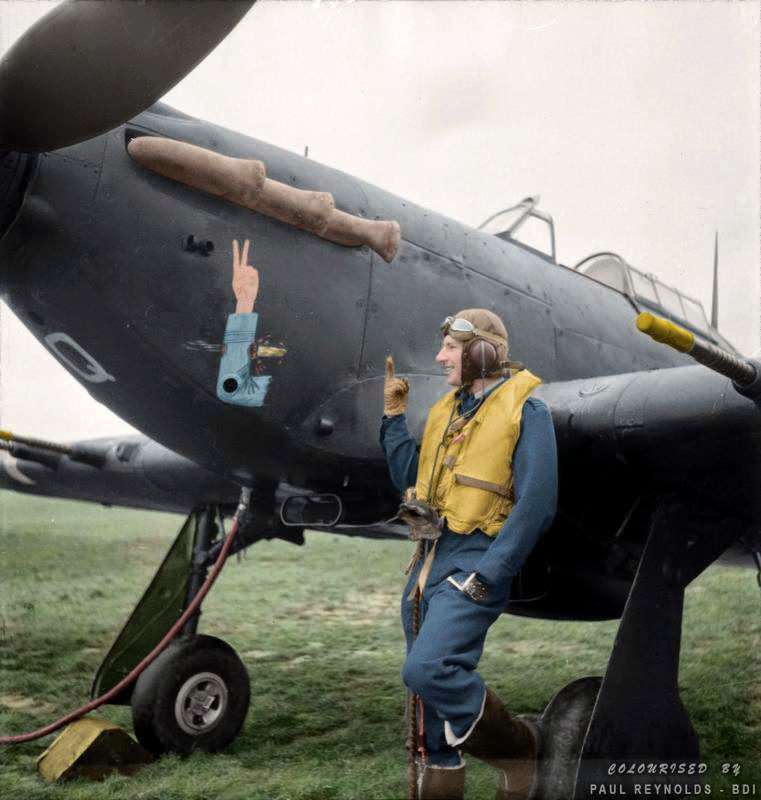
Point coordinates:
[(144, 697), (194, 696)]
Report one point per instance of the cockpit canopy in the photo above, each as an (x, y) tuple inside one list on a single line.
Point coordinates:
[(646, 289), (537, 229), (526, 225)]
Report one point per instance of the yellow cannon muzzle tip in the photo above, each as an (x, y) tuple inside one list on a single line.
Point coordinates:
[(665, 331), (6, 435), (645, 321)]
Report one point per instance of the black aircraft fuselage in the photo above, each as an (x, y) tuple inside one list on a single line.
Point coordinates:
[(96, 262), (97, 252)]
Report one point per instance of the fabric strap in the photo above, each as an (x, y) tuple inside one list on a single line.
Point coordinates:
[(424, 572), (477, 483)]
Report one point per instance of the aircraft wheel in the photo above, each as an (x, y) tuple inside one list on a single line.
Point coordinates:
[(194, 696)]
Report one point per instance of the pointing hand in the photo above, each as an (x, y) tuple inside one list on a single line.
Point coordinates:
[(395, 391), (245, 279)]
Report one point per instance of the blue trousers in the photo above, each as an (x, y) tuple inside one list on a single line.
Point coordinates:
[(441, 662)]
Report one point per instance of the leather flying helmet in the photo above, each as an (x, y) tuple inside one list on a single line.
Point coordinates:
[(485, 344)]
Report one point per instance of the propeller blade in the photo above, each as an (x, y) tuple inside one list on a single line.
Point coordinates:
[(86, 67)]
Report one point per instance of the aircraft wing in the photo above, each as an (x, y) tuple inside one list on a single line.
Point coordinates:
[(130, 471), (673, 430), (630, 443)]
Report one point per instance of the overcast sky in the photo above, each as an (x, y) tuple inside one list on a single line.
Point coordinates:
[(636, 122)]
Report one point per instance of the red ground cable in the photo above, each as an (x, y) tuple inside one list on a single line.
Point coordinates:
[(127, 679)]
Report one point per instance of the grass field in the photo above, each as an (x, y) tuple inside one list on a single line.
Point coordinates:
[(317, 627)]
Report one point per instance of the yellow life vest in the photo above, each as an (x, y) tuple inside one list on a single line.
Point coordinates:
[(469, 466)]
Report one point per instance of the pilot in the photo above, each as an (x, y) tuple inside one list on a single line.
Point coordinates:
[(485, 480)]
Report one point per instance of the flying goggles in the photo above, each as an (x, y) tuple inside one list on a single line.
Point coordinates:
[(463, 329)]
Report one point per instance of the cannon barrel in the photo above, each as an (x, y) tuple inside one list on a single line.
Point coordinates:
[(16, 445), (744, 373), (55, 447)]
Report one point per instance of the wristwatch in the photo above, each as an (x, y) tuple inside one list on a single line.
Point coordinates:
[(473, 587)]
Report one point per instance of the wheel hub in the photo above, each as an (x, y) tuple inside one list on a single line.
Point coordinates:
[(201, 703)]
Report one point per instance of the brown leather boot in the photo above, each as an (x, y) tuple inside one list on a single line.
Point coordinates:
[(441, 783), (507, 743)]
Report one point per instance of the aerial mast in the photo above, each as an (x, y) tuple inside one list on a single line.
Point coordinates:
[(715, 299)]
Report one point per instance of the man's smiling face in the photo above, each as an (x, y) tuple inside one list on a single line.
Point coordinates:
[(450, 359)]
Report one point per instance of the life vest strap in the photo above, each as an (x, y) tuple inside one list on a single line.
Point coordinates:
[(466, 480)]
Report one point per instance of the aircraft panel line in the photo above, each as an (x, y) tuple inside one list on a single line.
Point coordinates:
[(478, 272)]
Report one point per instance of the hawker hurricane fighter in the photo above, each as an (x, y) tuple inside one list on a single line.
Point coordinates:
[(116, 234)]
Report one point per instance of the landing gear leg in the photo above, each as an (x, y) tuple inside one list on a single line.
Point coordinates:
[(638, 715), (206, 531), (206, 709), (196, 694)]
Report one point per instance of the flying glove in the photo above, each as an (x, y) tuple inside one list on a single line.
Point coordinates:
[(395, 391)]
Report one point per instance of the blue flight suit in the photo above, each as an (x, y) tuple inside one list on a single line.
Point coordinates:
[(440, 664)]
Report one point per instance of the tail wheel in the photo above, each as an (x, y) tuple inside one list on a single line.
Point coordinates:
[(194, 696)]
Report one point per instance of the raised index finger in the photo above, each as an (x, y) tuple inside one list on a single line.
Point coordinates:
[(236, 254), (244, 256), (389, 366)]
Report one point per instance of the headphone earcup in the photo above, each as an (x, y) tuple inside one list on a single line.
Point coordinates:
[(479, 359)]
